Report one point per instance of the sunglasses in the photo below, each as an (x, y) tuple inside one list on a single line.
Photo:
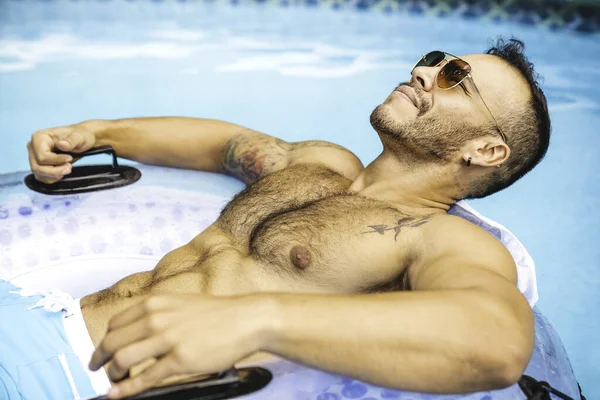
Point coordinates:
[(452, 74)]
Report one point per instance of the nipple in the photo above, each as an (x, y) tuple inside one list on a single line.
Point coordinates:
[(300, 257)]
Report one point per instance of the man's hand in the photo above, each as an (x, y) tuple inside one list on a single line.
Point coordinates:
[(46, 165), (187, 334)]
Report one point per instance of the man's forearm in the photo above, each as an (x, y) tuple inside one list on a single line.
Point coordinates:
[(181, 142), (430, 341)]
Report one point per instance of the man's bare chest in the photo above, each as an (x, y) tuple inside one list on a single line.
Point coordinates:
[(303, 223)]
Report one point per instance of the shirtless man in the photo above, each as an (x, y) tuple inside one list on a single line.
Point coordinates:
[(428, 301)]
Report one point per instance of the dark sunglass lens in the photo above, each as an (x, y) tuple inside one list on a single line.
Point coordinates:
[(453, 73), (421, 63), (434, 58), (431, 59)]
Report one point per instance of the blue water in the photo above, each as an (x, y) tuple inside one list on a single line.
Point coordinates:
[(314, 74)]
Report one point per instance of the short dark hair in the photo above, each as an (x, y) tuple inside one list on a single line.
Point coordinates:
[(527, 130)]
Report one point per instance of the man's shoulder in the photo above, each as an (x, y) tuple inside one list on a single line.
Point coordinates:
[(251, 156), (326, 154)]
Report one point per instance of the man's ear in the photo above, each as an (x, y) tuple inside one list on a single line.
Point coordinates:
[(487, 151)]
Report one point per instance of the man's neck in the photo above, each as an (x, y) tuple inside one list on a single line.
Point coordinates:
[(414, 187)]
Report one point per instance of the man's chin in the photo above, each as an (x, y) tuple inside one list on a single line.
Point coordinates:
[(386, 120)]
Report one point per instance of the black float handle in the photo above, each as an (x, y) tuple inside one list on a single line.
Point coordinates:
[(92, 152)]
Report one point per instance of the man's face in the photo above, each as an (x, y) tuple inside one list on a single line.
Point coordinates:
[(432, 122)]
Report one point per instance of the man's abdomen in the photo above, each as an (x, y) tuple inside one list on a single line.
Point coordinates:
[(209, 264)]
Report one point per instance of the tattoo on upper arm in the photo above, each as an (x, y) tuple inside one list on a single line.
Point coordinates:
[(406, 222), (249, 156)]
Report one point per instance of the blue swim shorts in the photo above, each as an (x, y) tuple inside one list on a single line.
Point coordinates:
[(37, 360)]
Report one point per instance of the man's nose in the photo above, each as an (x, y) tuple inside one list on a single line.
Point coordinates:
[(424, 77)]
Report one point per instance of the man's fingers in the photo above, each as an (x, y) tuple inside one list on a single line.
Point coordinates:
[(130, 356), (73, 142), (114, 341), (52, 174), (162, 369), (70, 141), (42, 147), (125, 336), (46, 173), (141, 315)]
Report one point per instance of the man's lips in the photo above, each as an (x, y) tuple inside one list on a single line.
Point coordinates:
[(409, 93)]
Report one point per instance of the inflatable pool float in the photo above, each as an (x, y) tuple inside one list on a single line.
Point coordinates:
[(84, 242)]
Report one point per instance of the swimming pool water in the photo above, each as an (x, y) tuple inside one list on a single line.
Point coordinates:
[(314, 74)]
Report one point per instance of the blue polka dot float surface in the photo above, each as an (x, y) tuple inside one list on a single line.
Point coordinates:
[(37, 229), (166, 209)]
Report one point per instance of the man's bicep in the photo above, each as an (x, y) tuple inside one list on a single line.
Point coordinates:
[(477, 268), (486, 291), (251, 155), (489, 269), (456, 275)]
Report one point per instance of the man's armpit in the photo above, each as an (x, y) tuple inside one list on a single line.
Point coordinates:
[(250, 156)]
